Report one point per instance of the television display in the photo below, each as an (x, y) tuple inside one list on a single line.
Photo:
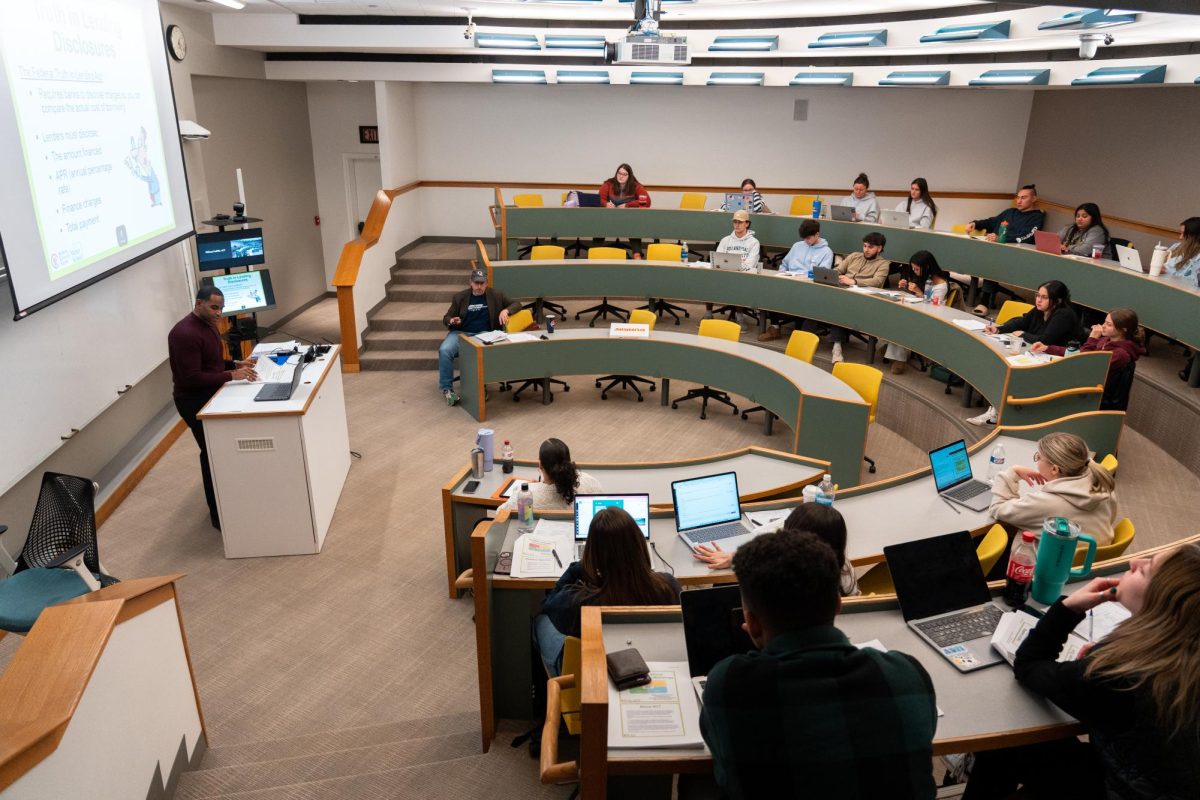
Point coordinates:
[(244, 292), (228, 249)]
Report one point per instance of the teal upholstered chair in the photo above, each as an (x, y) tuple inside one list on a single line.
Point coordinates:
[(60, 559)]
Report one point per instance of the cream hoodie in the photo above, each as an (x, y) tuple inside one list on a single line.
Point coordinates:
[(1095, 514)]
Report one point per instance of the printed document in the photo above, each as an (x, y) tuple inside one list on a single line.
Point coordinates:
[(663, 713), (970, 324), (1015, 626), (534, 556)]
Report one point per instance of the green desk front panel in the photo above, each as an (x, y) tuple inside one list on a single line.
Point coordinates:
[(1168, 306), (1083, 370), (1100, 429), (828, 429)]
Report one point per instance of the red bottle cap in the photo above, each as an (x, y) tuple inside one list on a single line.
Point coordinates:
[(1027, 536)]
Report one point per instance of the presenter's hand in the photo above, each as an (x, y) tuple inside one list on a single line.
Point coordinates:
[(713, 556), (1030, 475), (1037, 347), (504, 317), (610, 204), (1097, 591), (245, 374), (249, 362)]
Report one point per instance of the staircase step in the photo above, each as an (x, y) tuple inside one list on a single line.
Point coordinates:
[(425, 341), (422, 294), (325, 767), (456, 265), (392, 360), (402, 275)]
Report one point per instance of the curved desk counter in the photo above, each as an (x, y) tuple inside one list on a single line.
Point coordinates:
[(1022, 395), (877, 515), (1170, 306), (828, 418), (762, 474)]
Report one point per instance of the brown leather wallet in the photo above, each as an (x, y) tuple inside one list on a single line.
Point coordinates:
[(627, 669)]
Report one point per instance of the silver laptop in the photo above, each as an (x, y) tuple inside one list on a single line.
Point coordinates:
[(1129, 258), (588, 506), (896, 219), (955, 481), (731, 261), (842, 213), (826, 275), (945, 599), (708, 510)]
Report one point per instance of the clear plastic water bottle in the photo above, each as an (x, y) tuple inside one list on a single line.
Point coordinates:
[(996, 461), (825, 490), (928, 291), (506, 457), (524, 509), (683, 254)]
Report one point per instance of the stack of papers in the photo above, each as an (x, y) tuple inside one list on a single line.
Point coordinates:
[(491, 337), (970, 324), (545, 551), (522, 337), (663, 713), (1015, 626)]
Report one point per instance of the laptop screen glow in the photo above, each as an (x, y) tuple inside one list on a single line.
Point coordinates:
[(588, 505), (710, 500), (951, 465)]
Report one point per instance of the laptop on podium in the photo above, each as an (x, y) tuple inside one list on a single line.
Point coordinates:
[(283, 390)]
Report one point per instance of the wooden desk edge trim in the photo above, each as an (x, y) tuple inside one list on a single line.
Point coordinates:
[(1045, 398), (74, 635)]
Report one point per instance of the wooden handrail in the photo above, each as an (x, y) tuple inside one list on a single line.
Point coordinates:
[(548, 767), (1046, 398), (43, 684)]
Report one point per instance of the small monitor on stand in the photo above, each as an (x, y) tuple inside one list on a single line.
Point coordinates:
[(230, 249), (244, 292)]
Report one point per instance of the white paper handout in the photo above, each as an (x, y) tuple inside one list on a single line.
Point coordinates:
[(663, 713), (491, 337), (534, 555), (1101, 621), (970, 324), (1015, 626), (522, 337)]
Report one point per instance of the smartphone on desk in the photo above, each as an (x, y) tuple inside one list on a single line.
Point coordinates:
[(470, 487)]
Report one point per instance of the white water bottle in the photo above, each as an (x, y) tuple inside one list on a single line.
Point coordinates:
[(524, 509), (1158, 260), (683, 254), (996, 461), (928, 291), (825, 490)]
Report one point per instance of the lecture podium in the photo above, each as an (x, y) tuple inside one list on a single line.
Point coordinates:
[(278, 467)]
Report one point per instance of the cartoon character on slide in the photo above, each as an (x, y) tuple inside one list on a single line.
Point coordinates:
[(138, 162)]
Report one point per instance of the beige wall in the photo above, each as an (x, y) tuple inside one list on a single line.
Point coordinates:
[(1132, 151)]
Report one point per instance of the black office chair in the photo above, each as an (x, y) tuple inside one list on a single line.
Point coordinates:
[(719, 329), (604, 308), (535, 383)]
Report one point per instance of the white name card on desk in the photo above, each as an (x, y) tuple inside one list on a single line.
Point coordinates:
[(629, 330)]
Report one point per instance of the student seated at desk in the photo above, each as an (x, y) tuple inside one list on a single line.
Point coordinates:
[(919, 205), (1068, 484), (864, 203), (809, 714), (1120, 334), (1184, 260), (560, 479), (475, 309), (742, 241), (1050, 321), (924, 270), (811, 251), (623, 189), (1019, 222), (824, 522), (757, 204), (1136, 693), (615, 571), (1087, 231), (868, 268)]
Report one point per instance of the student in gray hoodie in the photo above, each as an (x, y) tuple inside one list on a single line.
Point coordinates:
[(1086, 232), (864, 203), (811, 251)]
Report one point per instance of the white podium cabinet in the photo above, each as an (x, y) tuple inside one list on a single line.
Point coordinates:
[(278, 467)]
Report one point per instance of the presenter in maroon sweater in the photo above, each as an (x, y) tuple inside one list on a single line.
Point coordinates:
[(198, 370)]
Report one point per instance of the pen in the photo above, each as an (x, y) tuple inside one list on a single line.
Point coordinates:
[(947, 502), (1091, 626), (557, 560)]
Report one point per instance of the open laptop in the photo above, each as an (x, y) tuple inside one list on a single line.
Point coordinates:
[(895, 219), (712, 629), (589, 199), (731, 261), (826, 275), (588, 505), (955, 481), (283, 390), (944, 598), (1048, 242), (842, 213), (736, 201), (1129, 258), (708, 509)]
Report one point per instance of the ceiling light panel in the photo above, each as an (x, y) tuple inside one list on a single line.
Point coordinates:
[(518, 76), (1012, 77), (744, 44), (507, 41), (659, 78), (556, 41), (1110, 76), (922, 78), (968, 33), (735, 79), (823, 79), (1089, 18), (582, 76), (851, 39)]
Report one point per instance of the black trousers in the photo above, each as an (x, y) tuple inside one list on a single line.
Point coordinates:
[(1057, 770), (188, 409)]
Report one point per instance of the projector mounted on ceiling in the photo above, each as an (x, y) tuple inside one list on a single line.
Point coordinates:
[(644, 44)]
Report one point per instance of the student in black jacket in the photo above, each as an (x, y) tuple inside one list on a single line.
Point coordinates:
[(1137, 693), (1051, 321)]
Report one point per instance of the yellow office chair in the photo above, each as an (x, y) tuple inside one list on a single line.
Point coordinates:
[(802, 205), (801, 345), (962, 229), (639, 316), (718, 329), (660, 251), (605, 308), (1011, 309), (1110, 464), (1122, 538), (693, 201), (548, 252), (563, 702), (878, 580), (518, 322), (527, 201), (866, 381)]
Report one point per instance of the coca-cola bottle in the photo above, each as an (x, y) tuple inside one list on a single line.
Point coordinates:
[(1021, 562)]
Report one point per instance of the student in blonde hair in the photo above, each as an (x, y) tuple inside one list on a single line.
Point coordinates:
[(1068, 483), (1136, 692)]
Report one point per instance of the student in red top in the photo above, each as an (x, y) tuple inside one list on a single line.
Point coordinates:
[(1120, 335), (623, 189)]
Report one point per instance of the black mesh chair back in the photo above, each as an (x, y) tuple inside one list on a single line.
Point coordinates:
[(1117, 388), (65, 518)]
